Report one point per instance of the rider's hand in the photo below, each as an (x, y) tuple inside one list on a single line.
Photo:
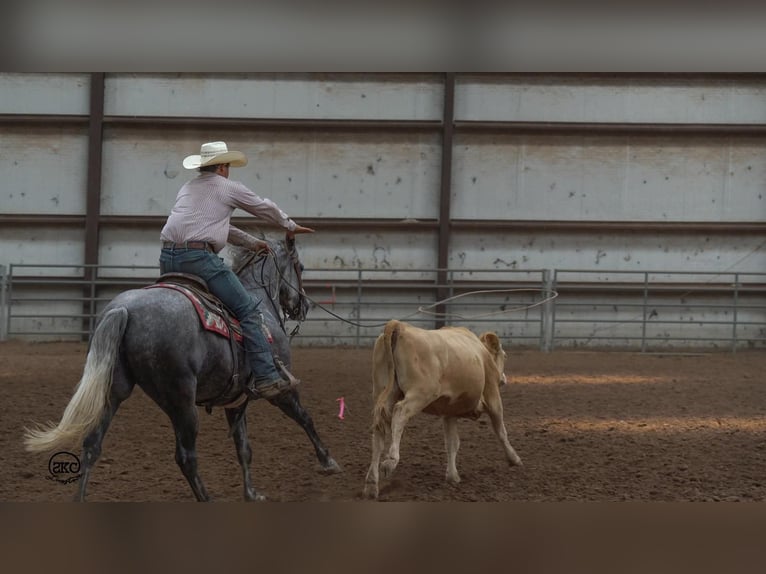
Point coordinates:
[(299, 229), (260, 246)]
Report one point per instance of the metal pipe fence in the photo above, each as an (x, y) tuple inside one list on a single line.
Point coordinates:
[(540, 308), (651, 309)]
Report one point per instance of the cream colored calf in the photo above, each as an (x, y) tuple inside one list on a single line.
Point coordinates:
[(449, 372)]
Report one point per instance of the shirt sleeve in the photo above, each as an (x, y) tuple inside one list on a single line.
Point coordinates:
[(261, 207), (242, 238)]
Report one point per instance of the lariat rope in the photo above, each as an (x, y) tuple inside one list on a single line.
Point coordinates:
[(426, 309)]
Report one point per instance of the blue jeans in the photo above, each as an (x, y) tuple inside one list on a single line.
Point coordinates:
[(225, 285)]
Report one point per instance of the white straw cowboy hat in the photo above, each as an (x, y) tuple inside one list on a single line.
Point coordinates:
[(214, 153)]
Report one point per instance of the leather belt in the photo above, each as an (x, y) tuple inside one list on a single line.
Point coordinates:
[(204, 245)]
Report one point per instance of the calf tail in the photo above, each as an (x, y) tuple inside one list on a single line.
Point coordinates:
[(87, 405), (387, 398)]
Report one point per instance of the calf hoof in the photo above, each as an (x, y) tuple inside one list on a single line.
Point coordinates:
[(453, 480), (515, 462), (387, 467), (371, 491)]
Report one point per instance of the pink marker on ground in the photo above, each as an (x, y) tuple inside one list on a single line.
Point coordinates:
[(342, 411)]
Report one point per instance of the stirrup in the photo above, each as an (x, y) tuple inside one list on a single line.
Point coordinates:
[(285, 374)]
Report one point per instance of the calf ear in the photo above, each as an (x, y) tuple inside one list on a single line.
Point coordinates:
[(492, 342)]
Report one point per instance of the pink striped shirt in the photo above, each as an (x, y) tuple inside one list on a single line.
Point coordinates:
[(204, 206)]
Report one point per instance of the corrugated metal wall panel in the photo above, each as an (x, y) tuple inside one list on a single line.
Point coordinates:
[(589, 99), (638, 178), (63, 245), (43, 170), (308, 175), (401, 97), (124, 245), (44, 93), (617, 251), (350, 250)]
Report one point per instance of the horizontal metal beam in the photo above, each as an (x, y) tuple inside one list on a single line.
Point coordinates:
[(609, 128), (325, 223), (233, 123), (730, 227), (44, 119), (687, 289), (667, 76), (485, 225), (276, 124), (393, 126)]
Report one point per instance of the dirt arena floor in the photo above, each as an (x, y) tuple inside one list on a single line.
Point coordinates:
[(589, 426)]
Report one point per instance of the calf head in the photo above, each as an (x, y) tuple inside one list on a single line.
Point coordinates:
[(492, 343)]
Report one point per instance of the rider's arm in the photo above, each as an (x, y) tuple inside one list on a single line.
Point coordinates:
[(244, 239), (261, 207)]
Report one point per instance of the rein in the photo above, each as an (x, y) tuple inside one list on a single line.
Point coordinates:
[(254, 258)]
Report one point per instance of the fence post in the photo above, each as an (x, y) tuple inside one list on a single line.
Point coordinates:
[(546, 318), (643, 322), (358, 304), (734, 311)]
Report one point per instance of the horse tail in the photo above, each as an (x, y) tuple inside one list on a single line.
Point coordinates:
[(385, 363), (87, 405)]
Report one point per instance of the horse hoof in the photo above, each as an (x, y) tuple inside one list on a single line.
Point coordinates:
[(331, 467)]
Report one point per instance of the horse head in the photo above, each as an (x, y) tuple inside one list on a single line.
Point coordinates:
[(278, 273)]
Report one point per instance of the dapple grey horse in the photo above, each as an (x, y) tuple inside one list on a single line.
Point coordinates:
[(153, 338)]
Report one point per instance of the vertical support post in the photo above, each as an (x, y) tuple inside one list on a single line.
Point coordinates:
[(92, 307), (450, 292), (445, 195), (93, 192)]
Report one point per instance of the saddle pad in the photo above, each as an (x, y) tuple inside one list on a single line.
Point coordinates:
[(211, 319)]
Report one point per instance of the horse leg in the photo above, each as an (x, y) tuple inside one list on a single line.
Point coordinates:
[(91, 446), (91, 450), (290, 404), (186, 426), (238, 425)]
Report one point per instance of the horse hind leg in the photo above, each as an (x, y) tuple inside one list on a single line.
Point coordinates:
[(238, 425), (186, 426), (91, 446)]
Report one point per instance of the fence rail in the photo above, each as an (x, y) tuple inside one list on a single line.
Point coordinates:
[(645, 310)]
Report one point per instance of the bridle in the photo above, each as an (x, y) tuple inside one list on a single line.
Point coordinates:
[(298, 313)]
